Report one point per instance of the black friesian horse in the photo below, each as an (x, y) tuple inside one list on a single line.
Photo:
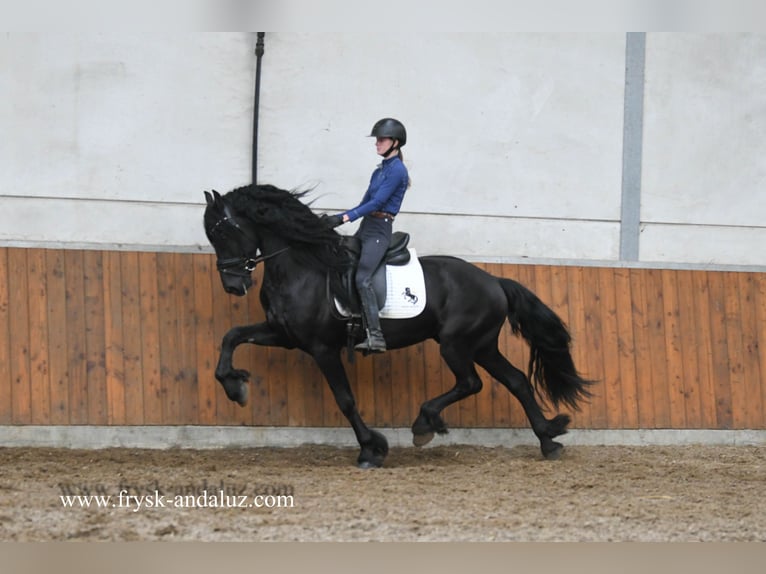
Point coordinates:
[(465, 311)]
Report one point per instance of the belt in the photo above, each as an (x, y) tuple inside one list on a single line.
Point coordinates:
[(382, 215)]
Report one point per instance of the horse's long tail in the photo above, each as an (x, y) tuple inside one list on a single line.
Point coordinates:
[(550, 362)]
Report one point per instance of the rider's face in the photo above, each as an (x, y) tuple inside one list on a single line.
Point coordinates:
[(382, 145)]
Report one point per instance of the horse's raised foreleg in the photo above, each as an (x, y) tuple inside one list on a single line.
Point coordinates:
[(516, 382), (467, 383), (374, 446), (234, 381)]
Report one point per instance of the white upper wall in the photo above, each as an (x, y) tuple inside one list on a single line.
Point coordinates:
[(133, 117), (524, 125), (515, 140), (704, 128), (704, 167)]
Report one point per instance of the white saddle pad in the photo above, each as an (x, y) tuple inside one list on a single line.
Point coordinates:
[(405, 291)]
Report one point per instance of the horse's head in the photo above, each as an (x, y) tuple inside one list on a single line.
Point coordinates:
[(236, 245)]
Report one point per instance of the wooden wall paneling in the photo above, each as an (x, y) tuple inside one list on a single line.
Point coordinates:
[(94, 336), (415, 375), (401, 389), (626, 348), (656, 325), (75, 336), (704, 341), (381, 365), (284, 387), (187, 340), (170, 366), (150, 339), (39, 356), (611, 376), (114, 343), (205, 342), (133, 355), (676, 376), (365, 390), (735, 352), (643, 353), (760, 317), (753, 399), (720, 348), (6, 376), (319, 404), (279, 378), (91, 337), (58, 364), (688, 324), (19, 344), (594, 335)]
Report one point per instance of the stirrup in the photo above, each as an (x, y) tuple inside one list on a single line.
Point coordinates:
[(374, 343)]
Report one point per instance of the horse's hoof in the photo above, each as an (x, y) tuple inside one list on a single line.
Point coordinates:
[(555, 452), (244, 395), (366, 465), (422, 439)]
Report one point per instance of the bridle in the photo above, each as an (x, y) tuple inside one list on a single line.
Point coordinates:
[(246, 264)]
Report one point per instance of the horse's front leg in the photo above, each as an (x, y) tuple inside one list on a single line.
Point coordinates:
[(234, 381), (374, 446)]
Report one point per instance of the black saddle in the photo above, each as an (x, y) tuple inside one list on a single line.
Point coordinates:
[(396, 254)]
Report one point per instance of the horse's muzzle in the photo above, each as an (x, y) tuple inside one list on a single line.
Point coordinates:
[(238, 288)]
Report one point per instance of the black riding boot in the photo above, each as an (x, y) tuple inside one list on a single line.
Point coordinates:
[(375, 343)]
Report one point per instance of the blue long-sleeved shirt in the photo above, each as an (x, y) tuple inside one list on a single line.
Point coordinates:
[(388, 184)]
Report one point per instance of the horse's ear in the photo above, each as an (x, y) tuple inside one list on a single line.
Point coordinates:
[(209, 198), (217, 196)]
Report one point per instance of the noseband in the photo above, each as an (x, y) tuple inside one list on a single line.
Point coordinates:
[(246, 264)]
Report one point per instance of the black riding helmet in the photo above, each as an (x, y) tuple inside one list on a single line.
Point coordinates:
[(390, 128)]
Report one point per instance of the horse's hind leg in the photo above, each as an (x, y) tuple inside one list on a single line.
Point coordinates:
[(516, 382), (467, 383)]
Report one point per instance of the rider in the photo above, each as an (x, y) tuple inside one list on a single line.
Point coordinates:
[(378, 207)]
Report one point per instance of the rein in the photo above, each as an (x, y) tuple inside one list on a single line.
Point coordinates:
[(243, 266)]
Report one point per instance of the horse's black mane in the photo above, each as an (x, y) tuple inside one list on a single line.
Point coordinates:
[(284, 214)]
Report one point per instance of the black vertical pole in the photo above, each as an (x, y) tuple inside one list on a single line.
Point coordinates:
[(258, 56)]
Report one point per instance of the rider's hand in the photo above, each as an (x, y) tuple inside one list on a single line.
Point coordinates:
[(332, 220)]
